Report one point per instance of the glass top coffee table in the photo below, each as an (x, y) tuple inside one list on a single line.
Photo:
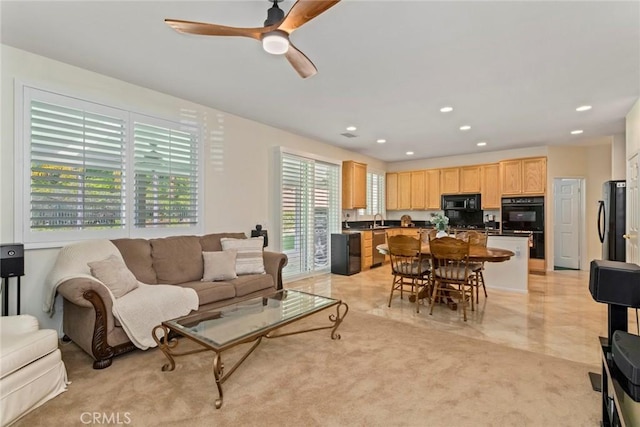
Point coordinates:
[(247, 321)]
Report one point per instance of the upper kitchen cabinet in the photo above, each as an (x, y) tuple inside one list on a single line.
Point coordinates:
[(490, 186), (418, 193), (432, 183), (450, 181), (470, 179), (392, 191), (534, 175), (404, 191), (354, 185), (524, 176)]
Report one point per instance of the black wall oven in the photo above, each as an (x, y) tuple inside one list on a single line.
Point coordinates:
[(525, 216), (523, 213)]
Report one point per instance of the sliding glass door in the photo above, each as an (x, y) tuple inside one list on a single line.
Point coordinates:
[(309, 213)]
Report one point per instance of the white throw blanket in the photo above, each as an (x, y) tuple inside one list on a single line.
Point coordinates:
[(140, 310)]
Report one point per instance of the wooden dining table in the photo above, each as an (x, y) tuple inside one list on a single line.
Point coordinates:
[(476, 252)]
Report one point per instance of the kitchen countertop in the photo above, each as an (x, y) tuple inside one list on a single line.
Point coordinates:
[(386, 227)]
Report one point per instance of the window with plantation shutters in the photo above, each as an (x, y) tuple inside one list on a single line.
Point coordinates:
[(76, 173), (309, 212), (94, 171), (165, 175), (375, 194)]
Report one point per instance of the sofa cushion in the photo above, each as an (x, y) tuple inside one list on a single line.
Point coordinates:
[(113, 272), (209, 292), (219, 265), (211, 242), (19, 350), (249, 259), (137, 256), (177, 259), (252, 283)]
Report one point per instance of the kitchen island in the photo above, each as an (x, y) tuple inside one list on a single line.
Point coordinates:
[(511, 275)]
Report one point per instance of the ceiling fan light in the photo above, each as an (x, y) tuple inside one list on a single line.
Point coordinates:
[(276, 42)]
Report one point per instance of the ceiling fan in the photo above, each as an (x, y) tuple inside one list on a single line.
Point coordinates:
[(275, 33)]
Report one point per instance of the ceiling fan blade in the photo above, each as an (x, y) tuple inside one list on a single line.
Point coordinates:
[(304, 11), (300, 62), (204, 29)]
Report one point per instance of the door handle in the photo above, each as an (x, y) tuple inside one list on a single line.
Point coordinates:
[(601, 221), (627, 236)]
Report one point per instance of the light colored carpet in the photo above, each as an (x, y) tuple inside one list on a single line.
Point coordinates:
[(381, 373)]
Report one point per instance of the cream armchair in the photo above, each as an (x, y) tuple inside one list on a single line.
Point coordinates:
[(31, 368)]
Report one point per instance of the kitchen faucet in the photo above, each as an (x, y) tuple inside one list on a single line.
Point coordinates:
[(381, 220)]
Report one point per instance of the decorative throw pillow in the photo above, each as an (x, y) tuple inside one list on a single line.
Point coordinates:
[(114, 273), (249, 259), (219, 265)]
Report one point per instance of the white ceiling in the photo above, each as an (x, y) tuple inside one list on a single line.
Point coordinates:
[(514, 71)]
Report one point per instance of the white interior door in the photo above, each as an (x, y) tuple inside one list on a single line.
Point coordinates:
[(566, 230), (633, 209)]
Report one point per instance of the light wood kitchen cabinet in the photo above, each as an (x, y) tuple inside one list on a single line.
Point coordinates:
[(366, 242), (418, 192), (432, 181), (524, 176), (392, 191), (404, 190), (470, 179), (354, 185), (450, 181), (511, 176), (534, 176), (490, 186)]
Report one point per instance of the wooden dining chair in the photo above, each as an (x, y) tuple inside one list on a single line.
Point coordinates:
[(410, 268), (476, 238), (450, 273), (428, 233)]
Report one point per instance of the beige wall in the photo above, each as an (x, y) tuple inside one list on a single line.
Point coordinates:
[(239, 155), (467, 159), (633, 130), (618, 157), (592, 163)]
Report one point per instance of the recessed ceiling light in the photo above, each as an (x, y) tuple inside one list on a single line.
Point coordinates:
[(481, 144), (576, 132), (409, 153), (465, 127), (446, 109), (584, 108), (381, 141), (351, 128)]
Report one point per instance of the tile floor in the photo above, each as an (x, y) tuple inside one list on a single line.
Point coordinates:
[(557, 317)]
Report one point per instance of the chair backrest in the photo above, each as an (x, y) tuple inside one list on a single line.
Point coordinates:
[(450, 257), (427, 234), (404, 253), (474, 237), (403, 245)]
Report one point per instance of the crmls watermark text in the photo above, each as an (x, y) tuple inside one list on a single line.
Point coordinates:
[(105, 418)]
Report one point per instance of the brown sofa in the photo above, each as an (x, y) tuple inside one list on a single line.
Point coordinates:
[(88, 320)]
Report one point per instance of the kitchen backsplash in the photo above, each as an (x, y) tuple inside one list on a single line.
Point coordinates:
[(415, 215)]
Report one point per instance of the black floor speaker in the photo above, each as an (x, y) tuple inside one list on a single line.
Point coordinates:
[(11, 260)]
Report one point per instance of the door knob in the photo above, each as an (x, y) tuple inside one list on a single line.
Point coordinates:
[(626, 236)]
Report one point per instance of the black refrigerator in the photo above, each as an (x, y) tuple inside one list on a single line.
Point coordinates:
[(612, 221), (345, 253)]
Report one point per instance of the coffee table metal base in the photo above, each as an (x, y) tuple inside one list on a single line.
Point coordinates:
[(168, 345)]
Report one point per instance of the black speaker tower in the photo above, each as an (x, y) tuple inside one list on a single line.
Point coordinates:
[(11, 265)]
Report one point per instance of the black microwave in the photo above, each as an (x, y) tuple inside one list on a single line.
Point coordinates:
[(465, 202)]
